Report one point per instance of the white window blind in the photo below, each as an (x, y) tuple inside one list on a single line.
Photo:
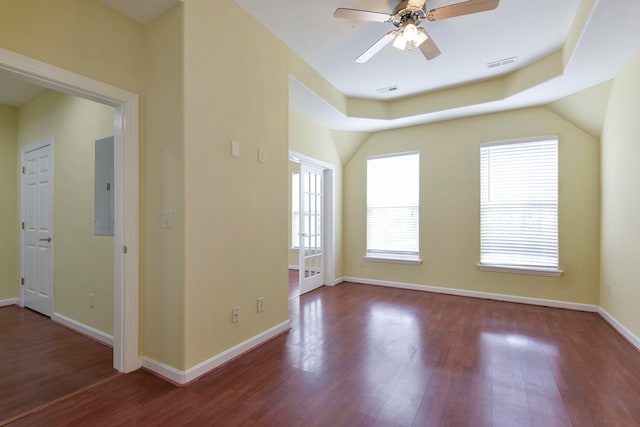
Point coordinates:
[(393, 207), (519, 204)]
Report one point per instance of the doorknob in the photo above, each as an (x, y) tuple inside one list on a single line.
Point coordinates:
[(48, 239)]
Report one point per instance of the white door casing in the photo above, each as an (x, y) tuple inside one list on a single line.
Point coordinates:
[(126, 268), (311, 252), (328, 209), (37, 226)]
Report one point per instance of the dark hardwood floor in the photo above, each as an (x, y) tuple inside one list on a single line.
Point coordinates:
[(42, 361), (360, 355), (294, 287)]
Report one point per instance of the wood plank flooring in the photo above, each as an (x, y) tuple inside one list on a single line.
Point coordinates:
[(294, 286), (41, 361), (361, 355)]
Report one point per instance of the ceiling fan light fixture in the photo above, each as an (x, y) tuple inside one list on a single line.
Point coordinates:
[(400, 42), (406, 17), (410, 32)]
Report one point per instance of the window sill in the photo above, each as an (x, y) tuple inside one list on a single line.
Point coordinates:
[(294, 249), (534, 271), (393, 260)]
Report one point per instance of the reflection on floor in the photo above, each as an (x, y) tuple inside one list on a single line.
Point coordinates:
[(42, 361), (362, 355), (294, 287)]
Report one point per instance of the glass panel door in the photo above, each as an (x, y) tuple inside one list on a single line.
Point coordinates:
[(311, 228)]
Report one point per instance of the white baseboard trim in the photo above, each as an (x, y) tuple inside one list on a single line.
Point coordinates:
[(622, 330), (477, 294), (83, 329), (9, 301), (184, 377), (338, 281), (170, 373)]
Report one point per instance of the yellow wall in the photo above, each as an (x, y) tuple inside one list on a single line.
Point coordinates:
[(83, 262), (312, 139), (84, 36), (8, 203), (586, 109), (195, 97), (449, 214), (620, 250), (235, 207), (162, 189), (89, 38)]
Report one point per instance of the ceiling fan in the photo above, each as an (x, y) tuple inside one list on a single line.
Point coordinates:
[(406, 17)]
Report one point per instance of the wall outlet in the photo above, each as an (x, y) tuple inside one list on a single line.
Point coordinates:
[(360, 262), (92, 300), (261, 155), (260, 304), (235, 314)]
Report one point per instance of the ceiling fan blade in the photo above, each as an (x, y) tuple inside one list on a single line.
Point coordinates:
[(459, 9), (361, 15), (428, 47), (377, 47)]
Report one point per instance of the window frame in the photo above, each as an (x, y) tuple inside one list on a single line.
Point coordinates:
[(551, 271), (399, 257)]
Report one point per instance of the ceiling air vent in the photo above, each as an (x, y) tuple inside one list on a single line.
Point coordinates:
[(502, 62), (388, 89)]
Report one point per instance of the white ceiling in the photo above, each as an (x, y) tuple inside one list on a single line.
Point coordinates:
[(15, 92), (528, 30)]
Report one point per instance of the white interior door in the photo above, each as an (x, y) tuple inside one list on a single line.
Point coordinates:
[(311, 228), (37, 217)]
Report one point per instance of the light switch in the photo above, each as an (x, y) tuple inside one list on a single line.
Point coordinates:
[(167, 219), (235, 148), (261, 155)]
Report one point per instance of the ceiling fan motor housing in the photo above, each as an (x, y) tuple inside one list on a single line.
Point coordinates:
[(404, 14)]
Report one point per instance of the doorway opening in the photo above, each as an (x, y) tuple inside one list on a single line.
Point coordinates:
[(311, 253), (125, 104)]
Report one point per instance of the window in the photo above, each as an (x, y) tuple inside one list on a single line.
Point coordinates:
[(519, 205), (393, 207)]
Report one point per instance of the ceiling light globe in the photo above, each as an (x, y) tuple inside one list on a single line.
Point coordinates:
[(400, 42), (410, 32)]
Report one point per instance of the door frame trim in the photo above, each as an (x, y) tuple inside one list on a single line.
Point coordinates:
[(47, 141), (126, 130), (329, 232)]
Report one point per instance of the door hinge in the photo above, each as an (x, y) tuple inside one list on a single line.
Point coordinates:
[(23, 170), (22, 281), (23, 225)]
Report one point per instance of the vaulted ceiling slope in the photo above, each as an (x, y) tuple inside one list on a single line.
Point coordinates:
[(142, 11)]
